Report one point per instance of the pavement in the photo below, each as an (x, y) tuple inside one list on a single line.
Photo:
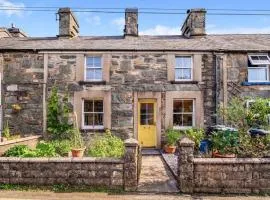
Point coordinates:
[(40, 195)]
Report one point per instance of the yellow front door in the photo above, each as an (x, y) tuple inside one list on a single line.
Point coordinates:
[(147, 122)]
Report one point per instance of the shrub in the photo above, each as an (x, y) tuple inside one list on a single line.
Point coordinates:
[(76, 138), (195, 135), (172, 136), (62, 147), (45, 149), (107, 146), (6, 131), (58, 116), (17, 151)]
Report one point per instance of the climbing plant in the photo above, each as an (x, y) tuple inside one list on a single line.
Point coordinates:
[(58, 125)]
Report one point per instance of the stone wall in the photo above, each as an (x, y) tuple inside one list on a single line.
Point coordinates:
[(221, 175), (101, 172)]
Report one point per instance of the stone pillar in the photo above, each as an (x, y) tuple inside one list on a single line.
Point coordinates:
[(185, 165), (131, 165), (131, 22)]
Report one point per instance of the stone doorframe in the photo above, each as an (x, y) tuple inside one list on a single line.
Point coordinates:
[(148, 95)]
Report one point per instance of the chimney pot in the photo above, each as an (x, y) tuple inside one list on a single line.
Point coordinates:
[(131, 22), (194, 24), (68, 24)]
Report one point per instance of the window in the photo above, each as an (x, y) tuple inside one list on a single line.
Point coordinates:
[(93, 114), (93, 68), (258, 68), (183, 68), (183, 113), (147, 114)]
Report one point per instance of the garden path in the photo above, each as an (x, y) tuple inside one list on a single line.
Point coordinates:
[(155, 176)]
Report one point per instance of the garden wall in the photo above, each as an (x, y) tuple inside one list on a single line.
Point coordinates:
[(103, 172), (221, 175)]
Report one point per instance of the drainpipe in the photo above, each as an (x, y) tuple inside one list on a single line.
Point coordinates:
[(45, 75)]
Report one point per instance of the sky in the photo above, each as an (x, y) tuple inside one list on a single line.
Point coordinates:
[(37, 24)]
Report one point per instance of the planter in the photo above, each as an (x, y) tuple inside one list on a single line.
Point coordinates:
[(169, 149), (218, 155), (77, 152)]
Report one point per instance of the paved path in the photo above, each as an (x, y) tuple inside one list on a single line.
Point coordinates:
[(17, 195), (156, 177)]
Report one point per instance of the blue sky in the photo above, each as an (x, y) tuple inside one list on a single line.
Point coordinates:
[(45, 24)]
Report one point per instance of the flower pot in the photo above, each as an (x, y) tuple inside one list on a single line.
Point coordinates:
[(3, 139), (218, 155), (77, 152), (169, 148)]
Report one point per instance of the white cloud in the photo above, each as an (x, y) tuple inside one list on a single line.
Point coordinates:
[(119, 22), (161, 30), (237, 30), (8, 4)]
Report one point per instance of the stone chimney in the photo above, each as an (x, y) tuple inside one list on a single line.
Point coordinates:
[(16, 32), (131, 22), (194, 24), (68, 24)]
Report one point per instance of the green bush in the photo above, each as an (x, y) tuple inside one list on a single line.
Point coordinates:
[(62, 147), (107, 146), (45, 149), (172, 136), (195, 135), (17, 151)]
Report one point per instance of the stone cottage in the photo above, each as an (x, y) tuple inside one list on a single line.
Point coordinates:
[(135, 85)]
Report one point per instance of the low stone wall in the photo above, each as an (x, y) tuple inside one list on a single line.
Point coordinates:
[(104, 172), (221, 175), (30, 141)]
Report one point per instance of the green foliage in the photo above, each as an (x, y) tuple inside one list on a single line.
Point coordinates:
[(225, 142), (76, 139), (6, 131), (45, 149), (62, 147), (17, 151), (195, 135), (172, 136), (58, 116), (107, 146)]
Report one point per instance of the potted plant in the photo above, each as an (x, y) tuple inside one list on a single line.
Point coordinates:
[(77, 143), (224, 144), (171, 137)]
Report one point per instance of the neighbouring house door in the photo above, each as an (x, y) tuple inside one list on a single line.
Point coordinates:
[(147, 122)]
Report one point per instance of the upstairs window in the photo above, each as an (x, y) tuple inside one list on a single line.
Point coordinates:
[(258, 68), (93, 68), (93, 114), (183, 113), (183, 68)]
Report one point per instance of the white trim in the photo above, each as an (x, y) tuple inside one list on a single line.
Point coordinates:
[(97, 127), (192, 113), (191, 67), (259, 62), (85, 67)]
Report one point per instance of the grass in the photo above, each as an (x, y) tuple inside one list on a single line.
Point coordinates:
[(60, 188)]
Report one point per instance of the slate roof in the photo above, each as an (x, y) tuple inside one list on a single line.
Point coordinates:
[(230, 42)]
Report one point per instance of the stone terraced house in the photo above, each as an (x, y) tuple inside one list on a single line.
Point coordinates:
[(135, 85)]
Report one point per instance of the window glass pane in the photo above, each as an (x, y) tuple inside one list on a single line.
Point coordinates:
[(90, 74), (178, 73), (186, 74), (88, 106), (257, 74), (187, 119), (89, 62), (147, 119), (98, 119), (98, 74), (147, 108), (177, 120), (98, 106), (97, 61), (188, 105), (177, 106), (183, 62), (263, 58), (88, 119), (254, 57)]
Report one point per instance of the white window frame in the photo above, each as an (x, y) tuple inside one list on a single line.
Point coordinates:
[(259, 65), (193, 114), (85, 67), (98, 127), (191, 68)]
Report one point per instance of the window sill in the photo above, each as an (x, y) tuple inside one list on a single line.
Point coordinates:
[(92, 82), (254, 83), (184, 82), (93, 130)]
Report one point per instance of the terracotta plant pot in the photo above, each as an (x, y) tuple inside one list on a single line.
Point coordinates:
[(169, 149), (218, 155), (77, 152)]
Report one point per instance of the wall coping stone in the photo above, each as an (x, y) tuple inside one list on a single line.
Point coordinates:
[(63, 160), (231, 160), (131, 142), (20, 140), (186, 142)]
